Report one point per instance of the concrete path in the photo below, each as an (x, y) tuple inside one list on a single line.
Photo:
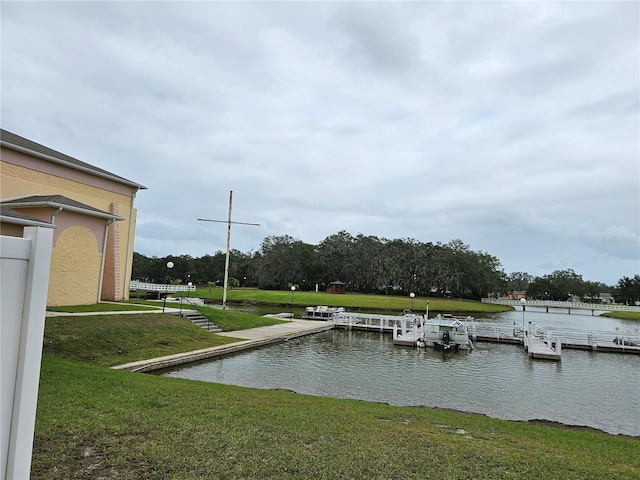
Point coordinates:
[(291, 328), (174, 311), (246, 339)]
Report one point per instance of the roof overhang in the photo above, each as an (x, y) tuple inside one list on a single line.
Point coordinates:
[(9, 215), (62, 203), (66, 163)]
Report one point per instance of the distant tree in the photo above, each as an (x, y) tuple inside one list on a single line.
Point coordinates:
[(519, 281), (283, 259), (336, 255), (559, 285), (628, 290), (141, 267)]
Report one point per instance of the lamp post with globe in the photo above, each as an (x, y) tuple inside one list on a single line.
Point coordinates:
[(293, 289), (169, 266)]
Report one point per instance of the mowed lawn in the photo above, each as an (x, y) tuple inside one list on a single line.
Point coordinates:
[(95, 422)]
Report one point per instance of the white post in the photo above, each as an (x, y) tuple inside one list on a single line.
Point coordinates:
[(23, 291), (226, 261)]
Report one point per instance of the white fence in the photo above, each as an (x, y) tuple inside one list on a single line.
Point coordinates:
[(24, 282), (591, 338), (372, 321), (569, 305), (159, 287)]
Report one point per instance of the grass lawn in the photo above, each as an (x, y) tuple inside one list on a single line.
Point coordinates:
[(109, 340), (623, 315), (98, 423), (94, 422), (226, 320), (350, 300), (104, 307)]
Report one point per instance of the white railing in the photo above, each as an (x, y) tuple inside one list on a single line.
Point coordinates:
[(159, 287), (373, 321), (495, 330), (575, 305), (593, 338)]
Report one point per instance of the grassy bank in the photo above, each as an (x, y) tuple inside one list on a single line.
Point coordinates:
[(623, 315), (109, 340), (94, 422), (354, 301)]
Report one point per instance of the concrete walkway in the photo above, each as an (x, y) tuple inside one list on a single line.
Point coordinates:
[(174, 311), (246, 339)]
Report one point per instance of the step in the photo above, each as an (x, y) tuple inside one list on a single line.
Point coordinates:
[(201, 321)]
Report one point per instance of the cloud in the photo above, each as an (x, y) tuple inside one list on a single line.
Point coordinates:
[(512, 126)]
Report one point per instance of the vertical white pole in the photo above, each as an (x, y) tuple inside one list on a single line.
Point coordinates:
[(226, 263), (30, 353)]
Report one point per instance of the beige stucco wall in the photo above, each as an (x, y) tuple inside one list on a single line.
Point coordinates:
[(75, 268), (17, 180)]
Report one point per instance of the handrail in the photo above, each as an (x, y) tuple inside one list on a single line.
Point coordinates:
[(555, 304), (188, 300), (159, 287)]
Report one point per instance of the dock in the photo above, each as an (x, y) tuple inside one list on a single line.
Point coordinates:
[(536, 348), (538, 343)]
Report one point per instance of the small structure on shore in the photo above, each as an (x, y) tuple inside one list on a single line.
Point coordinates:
[(336, 287)]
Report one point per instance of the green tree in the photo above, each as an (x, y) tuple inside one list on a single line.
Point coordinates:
[(628, 290)]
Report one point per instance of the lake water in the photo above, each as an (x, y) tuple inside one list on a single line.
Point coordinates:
[(599, 390)]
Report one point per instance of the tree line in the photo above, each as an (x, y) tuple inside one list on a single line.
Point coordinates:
[(369, 264)]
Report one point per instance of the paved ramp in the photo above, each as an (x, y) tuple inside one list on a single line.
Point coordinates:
[(288, 329)]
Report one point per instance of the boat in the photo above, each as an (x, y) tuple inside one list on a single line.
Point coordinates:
[(445, 332), (321, 312)]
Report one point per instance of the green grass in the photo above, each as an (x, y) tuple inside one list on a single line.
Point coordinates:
[(623, 315), (349, 300), (94, 422), (109, 340), (227, 320), (103, 307)]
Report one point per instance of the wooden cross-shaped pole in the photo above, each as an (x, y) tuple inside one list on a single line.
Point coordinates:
[(226, 263)]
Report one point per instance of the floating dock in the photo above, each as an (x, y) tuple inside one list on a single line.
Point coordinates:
[(540, 344), (536, 348)]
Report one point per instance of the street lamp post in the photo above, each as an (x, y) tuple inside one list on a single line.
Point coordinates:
[(293, 289), (169, 266), (523, 301), (412, 295)]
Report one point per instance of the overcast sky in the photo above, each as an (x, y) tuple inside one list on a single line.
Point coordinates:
[(513, 126)]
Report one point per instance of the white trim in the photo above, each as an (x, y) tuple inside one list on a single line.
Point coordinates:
[(72, 165)]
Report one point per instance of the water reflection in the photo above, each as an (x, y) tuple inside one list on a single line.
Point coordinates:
[(587, 388)]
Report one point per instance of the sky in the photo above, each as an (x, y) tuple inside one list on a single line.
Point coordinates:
[(512, 126)]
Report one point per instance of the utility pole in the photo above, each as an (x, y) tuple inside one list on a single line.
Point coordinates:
[(226, 263)]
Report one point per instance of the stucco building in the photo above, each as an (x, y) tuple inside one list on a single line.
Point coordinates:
[(92, 209)]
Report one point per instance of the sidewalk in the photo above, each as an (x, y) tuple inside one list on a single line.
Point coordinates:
[(151, 309), (247, 339)]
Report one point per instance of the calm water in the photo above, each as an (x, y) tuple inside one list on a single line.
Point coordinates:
[(599, 390)]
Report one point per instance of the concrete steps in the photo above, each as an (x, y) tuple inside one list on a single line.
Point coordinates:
[(200, 320)]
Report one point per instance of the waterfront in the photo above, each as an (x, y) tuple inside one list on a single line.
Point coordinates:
[(593, 389)]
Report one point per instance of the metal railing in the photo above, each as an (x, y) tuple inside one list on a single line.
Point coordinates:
[(374, 321), (159, 287), (573, 305), (592, 338)]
